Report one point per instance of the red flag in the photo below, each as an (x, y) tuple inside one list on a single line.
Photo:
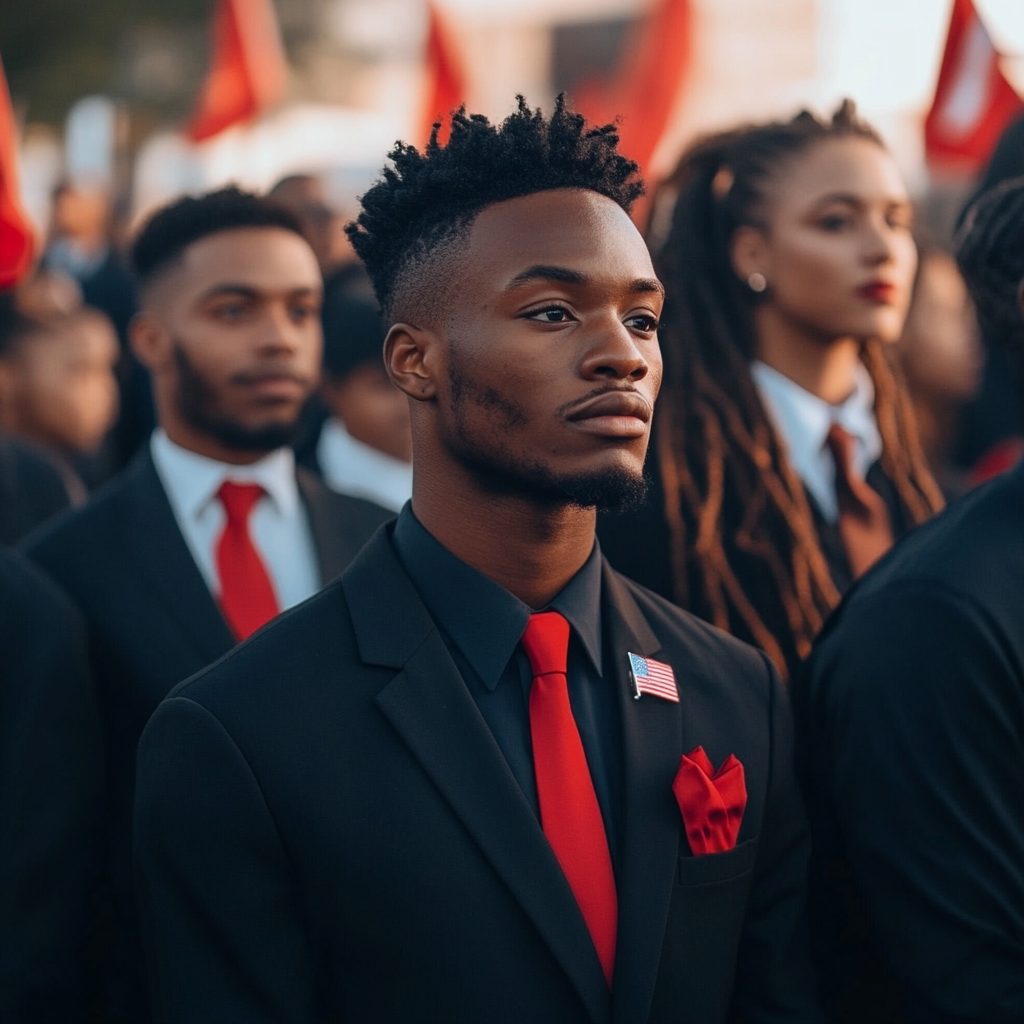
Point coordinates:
[(646, 84), (248, 72), (446, 79), (973, 100), (17, 242)]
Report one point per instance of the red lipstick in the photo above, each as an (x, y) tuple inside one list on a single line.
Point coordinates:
[(880, 292)]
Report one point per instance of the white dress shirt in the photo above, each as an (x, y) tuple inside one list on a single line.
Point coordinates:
[(353, 468), (278, 524), (803, 421)]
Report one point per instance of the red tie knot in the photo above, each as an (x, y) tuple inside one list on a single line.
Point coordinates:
[(238, 499), (546, 641)]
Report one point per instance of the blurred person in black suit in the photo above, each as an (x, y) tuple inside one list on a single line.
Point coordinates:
[(211, 530), (389, 805), (942, 359), (785, 457), (50, 800), (31, 487), (82, 247), (365, 446), (912, 716)]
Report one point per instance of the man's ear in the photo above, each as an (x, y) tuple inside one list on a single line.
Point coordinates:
[(748, 253), (149, 341), (412, 357)]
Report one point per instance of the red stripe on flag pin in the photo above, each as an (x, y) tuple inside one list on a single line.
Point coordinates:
[(653, 677)]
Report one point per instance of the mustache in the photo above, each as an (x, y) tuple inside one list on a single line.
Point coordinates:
[(270, 371)]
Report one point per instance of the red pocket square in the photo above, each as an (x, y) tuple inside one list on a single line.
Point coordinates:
[(710, 802)]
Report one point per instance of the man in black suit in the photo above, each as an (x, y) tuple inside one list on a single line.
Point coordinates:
[(50, 798), (417, 799), (912, 716), (168, 572)]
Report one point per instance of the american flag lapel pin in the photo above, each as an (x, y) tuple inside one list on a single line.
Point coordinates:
[(653, 677)]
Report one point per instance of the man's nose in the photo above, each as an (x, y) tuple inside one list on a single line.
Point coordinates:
[(616, 355)]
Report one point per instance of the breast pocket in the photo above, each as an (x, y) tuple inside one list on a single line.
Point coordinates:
[(702, 936)]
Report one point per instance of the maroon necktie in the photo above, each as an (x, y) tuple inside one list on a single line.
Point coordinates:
[(569, 812), (247, 596), (864, 524)]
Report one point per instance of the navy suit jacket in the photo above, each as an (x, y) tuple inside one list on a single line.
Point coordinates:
[(326, 829), (153, 622)]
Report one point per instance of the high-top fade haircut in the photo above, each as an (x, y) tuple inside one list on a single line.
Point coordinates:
[(417, 217), (172, 229)]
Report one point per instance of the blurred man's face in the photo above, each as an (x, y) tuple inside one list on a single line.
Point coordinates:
[(65, 395), (80, 212), (233, 337), (373, 410)]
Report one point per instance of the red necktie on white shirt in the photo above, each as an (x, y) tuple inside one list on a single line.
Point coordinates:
[(247, 596)]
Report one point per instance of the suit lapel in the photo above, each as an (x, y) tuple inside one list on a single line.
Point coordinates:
[(433, 712), (333, 549), (651, 732), (163, 556)]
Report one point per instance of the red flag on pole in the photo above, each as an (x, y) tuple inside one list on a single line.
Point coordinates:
[(17, 242), (973, 100), (644, 88), (248, 71), (446, 79)]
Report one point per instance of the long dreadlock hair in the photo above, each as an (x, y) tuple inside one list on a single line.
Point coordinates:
[(735, 507)]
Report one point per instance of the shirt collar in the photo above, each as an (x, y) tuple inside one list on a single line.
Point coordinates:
[(481, 617), (803, 420), (195, 479)]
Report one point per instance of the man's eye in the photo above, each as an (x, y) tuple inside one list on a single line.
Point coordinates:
[(834, 222), (643, 322), (551, 315), (302, 313), (231, 311)]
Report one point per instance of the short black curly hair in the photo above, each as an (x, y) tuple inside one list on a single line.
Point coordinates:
[(990, 253), (173, 228), (430, 199)]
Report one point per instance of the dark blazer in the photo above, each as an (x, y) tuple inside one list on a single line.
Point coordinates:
[(31, 489), (639, 544), (912, 718), (50, 794), (152, 622), (326, 830)]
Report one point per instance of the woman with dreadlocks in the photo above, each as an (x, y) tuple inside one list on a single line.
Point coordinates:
[(786, 459)]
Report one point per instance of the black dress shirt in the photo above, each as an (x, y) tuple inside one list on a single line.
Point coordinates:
[(482, 624)]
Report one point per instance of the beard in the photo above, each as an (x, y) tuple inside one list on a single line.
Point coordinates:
[(503, 471), (198, 406)]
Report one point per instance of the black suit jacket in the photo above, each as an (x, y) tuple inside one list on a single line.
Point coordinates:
[(50, 793), (326, 830), (31, 490), (912, 717), (152, 622)]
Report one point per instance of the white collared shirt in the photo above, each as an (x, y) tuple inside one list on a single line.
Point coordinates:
[(803, 421), (278, 524), (354, 468)]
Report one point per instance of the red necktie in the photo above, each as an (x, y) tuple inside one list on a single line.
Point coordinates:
[(569, 811), (247, 596), (864, 524)]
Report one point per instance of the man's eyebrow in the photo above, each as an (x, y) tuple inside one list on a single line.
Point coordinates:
[(545, 272), (247, 291)]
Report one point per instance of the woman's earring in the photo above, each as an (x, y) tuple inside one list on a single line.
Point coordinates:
[(757, 282)]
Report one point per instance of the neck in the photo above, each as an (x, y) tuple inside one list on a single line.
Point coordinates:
[(825, 367), (530, 548)]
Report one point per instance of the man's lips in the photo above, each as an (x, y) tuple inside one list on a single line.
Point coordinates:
[(613, 414), (273, 385)]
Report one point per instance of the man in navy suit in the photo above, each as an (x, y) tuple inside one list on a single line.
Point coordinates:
[(437, 791), (167, 572)]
